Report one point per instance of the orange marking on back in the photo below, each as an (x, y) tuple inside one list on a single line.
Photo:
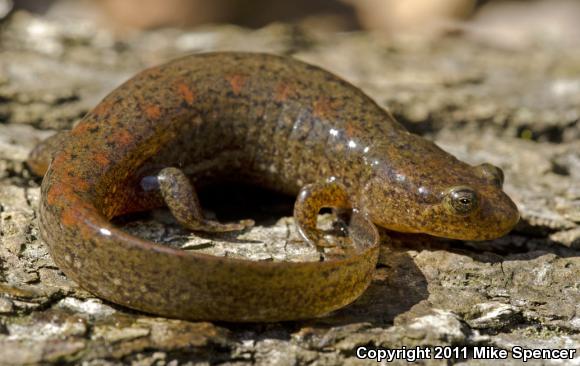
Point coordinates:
[(237, 82), (68, 217), (67, 188), (101, 159), (55, 192), (283, 90), (350, 130), (77, 184), (186, 93), (153, 111), (123, 137)]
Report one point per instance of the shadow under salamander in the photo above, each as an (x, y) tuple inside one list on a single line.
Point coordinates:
[(397, 286)]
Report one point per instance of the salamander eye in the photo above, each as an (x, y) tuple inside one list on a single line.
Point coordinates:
[(462, 200), (491, 173)]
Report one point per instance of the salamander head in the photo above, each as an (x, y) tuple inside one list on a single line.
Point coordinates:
[(425, 190)]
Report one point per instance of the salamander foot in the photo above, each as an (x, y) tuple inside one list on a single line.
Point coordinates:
[(182, 200), (315, 196)]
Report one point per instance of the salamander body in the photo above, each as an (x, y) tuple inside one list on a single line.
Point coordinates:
[(270, 121)]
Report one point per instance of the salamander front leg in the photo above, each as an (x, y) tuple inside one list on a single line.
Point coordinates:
[(180, 197), (310, 200)]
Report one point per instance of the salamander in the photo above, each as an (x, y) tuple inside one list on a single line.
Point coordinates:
[(268, 120)]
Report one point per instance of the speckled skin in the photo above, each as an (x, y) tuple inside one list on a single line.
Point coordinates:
[(271, 121)]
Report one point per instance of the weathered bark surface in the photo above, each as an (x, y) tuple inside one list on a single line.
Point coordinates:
[(518, 110)]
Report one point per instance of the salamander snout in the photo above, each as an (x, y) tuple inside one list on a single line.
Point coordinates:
[(464, 202)]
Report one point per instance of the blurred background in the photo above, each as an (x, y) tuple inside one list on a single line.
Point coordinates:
[(509, 23)]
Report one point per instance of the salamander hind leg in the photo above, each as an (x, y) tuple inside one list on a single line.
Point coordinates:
[(182, 200), (314, 197)]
